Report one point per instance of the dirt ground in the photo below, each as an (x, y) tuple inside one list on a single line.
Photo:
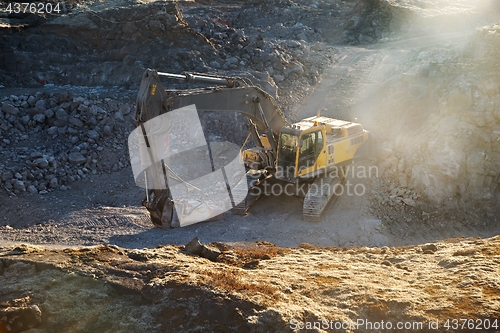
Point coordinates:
[(256, 288), (80, 254)]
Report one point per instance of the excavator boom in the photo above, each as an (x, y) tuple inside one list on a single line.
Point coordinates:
[(235, 95)]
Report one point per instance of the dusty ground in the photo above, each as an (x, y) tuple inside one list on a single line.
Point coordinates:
[(352, 60)]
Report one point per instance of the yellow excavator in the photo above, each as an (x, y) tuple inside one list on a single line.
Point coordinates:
[(313, 151)]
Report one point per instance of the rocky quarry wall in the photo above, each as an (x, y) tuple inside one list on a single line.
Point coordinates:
[(373, 20), (383, 20), (441, 122), (101, 47), (112, 46)]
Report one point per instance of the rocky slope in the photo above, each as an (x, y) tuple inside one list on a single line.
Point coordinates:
[(96, 44), (51, 140), (441, 122)]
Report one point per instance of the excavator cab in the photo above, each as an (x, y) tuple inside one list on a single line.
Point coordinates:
[(299, 152)]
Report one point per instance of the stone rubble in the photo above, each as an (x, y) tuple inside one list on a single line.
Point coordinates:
[(49, 141), (18, 315)]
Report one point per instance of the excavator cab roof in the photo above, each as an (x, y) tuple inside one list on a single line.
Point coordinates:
[(330, 123)]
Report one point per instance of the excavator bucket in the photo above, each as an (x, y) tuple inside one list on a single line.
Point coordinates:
[(193, 212), (187, 179)]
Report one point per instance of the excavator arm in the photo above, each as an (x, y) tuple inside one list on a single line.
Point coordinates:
[(228, 95)]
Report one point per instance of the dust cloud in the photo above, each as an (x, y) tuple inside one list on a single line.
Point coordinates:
[(432, 103)]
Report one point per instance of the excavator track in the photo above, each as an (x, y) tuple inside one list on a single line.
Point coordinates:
[(320, 197)]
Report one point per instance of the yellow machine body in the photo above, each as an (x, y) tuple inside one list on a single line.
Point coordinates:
[(317, 144)]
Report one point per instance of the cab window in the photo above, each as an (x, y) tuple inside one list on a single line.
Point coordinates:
[(312, 143)]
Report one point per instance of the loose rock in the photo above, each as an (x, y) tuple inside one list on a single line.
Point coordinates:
[(76, 158)]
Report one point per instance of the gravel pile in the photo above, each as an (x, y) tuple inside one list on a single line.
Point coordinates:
[(286, 53), (285, 61), (49, 141), (291, 52), (373, 20)]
